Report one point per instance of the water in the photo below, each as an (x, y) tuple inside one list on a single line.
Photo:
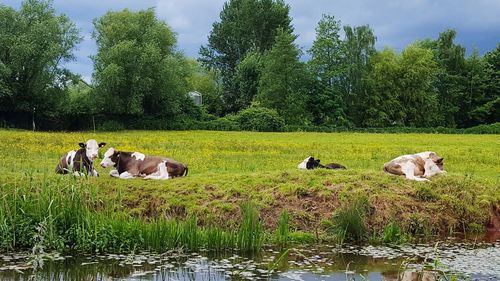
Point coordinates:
[(323, 262)]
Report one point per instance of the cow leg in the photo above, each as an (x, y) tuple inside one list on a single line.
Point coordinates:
[(114, 173), (94, 173), (409, 171), (126, 175), (78, 174)]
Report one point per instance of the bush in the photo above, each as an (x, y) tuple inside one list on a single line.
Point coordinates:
[(260, 119), (111, 125), (484, 129), (349, 221)]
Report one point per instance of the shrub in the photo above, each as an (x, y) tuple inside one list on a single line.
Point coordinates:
[(484, 129), (260, 119), (349, 221), (111, 125)]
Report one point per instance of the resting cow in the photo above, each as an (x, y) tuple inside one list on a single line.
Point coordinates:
[(80, 162), (135, 164), (310, 163), (417, 167)]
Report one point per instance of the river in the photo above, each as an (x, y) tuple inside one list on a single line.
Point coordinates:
[(467, 260)]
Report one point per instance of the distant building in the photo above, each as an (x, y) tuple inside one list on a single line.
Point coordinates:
[(197, 97)]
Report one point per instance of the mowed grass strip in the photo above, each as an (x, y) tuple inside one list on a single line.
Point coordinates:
[(227, 169)]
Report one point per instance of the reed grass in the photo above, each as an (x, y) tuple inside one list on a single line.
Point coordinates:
[(349, 221), (65, 207)]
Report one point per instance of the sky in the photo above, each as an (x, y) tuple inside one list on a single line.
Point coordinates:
[(396, 23)]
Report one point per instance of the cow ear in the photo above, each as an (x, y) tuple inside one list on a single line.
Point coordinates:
[(440, 160), (317, 160), (82, 145), (102, 144)]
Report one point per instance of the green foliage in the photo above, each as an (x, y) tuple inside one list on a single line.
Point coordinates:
[(349, 221), (137, 70), (425, 193), (392, 233), (281, 86), (250, 234), (359, 48), (260, 119), (111, 126), (205, 81), (327, 102), (34, 44), (282, 235), (244, 26), (484, 129)]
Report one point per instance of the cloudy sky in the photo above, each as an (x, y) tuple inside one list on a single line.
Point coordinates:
[(396, 23)]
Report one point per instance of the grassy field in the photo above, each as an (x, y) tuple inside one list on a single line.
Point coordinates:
[(227, 169)]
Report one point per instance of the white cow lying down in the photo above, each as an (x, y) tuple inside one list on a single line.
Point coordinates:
[(417, 167)]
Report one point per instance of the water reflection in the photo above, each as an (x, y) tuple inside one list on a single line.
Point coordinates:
[(313, 263)]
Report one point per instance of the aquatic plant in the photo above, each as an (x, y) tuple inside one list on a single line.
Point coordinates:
[(349, 221), (283, 231)]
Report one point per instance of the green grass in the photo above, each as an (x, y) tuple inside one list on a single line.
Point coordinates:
[(229, 169)]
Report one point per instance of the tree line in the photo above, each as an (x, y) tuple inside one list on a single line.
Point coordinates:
[(250, 67)]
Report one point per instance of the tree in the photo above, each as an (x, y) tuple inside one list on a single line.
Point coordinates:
[(328, 67), (204, 81), (418, 97), (34, 43), (282, 81), (450, 84), (359, 48), (137, 69), (247, 78), (487, 107), (245, 26), (385, 107), (401, 89)]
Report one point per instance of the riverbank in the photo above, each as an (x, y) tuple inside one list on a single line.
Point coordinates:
[(229, 170)]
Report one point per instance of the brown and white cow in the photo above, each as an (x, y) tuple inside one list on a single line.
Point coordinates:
[(80, 162), (417, 167), (135, 164)]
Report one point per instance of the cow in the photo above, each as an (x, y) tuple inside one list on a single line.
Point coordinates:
[(419, 166), (135, 164), (310, 163), (80, 162)]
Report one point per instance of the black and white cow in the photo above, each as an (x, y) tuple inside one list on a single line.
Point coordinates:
[(310, 163), (80, 162), (135, 164)]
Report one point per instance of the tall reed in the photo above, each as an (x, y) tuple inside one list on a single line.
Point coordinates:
[(67, 207)]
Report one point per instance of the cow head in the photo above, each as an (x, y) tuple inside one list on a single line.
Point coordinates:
[(91, 148), (437, 160), (312, 163), (110, 158)]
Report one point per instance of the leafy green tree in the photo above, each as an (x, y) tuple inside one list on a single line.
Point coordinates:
[(385, 107), (34, 42), (137, 69), (245, 26), (247, 78), (204, 81), (418, 97), (487, 109), (451, 81), (359, 48), (282, 81), (401, 89), (327, 65)]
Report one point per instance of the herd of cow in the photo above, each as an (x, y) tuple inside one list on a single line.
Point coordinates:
[(129, 165)]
